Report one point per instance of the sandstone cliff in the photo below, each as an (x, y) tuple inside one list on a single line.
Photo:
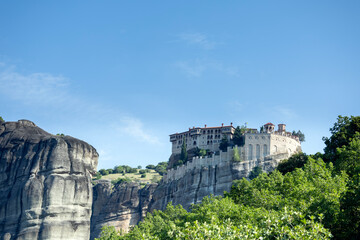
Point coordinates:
[(45, 184), (121, 206)]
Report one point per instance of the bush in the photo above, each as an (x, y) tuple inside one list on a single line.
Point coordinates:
[(236, 155), (118, 169), (143, 175), (97, 176), (297, 160), (150, 166), (161, 168), (121, 181), (103, 172), (255, 172), (142, 171), (221, 218)]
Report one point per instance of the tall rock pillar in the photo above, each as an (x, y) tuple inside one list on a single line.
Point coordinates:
[(45, 184)]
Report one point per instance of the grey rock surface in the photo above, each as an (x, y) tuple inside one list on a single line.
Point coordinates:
[(121, 206), (45, 184), (209, 180)]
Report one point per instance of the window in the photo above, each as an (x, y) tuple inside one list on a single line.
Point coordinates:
[(265, 150), (250, 154), (257, 151)]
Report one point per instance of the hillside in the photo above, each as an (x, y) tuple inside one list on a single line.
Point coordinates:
[(150, 177)]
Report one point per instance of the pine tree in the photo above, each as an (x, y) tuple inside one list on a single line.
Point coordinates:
[(184, 154), (224, 144)]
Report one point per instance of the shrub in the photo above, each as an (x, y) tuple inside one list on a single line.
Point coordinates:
[(236, 155), (121, 180), (150, 166)]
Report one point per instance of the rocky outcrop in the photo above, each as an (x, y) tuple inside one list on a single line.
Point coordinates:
[(45, 184), (122, 205), (198, 182), (125, 205)]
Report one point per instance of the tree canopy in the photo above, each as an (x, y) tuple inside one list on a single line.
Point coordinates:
[(224, 144)]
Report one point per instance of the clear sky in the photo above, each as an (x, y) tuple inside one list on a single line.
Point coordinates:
[(123, 75)]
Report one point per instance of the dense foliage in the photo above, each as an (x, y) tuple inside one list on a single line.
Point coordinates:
[(224, 144), (236, 154), (344, 130), (306, 198), (121, 180), (221, 218), (183, 154), (300, 135), (297, 160), (1, 120), (238, 137)]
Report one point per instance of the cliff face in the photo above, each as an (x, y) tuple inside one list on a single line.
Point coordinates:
[(45, 184), (122, 206), (190, 183), (125, 205)]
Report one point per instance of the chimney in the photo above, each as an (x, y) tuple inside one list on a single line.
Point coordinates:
[(231, 123), (205, 125), (222, 124)]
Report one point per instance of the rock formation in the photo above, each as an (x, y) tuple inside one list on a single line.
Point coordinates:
[(45, 184), (122, 205), (204, 180)]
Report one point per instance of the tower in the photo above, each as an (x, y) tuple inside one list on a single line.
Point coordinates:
[(282, 129), (269, 127)]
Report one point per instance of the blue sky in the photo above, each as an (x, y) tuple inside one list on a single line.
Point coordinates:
[(123, 75)]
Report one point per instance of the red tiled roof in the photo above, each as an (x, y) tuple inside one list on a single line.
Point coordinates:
[(202, 128), (269, 123)]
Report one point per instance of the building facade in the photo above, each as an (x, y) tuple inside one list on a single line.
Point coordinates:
[(257, 144)]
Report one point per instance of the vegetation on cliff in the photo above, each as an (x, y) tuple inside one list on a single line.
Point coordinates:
[(308, 197)]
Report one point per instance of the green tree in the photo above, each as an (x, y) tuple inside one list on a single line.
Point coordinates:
[(200, 152), (349, 225), (108, 233), (161, 168), (255, 172), (118, 169), (224, 144), (1, 120), (236, 155), (342, 133), (221, 218), (313, 190), (300, 135), (184, 154), (150, 166), (297, 160), (139, 167), (121, 181), (238, 137), (103, 172)]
